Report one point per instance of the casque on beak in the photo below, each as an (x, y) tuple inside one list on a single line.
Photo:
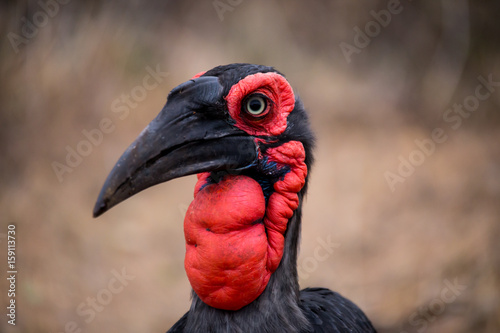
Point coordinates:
[(187, 137)]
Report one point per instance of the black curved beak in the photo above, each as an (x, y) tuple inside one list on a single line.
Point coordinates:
[(188, 136)]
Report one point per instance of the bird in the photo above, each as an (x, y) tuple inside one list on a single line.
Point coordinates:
[(247, 136)]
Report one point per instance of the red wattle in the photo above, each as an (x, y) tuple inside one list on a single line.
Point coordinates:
[(285, 200), (226, 242), (233, 241)]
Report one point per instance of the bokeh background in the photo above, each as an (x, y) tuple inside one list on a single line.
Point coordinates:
[(396, 251)]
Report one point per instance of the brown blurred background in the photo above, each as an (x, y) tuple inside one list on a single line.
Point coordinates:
[(423, 256)]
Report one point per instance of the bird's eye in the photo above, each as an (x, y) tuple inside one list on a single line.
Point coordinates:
[(255, 105)]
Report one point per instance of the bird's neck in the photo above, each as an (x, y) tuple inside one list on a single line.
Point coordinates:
[(226, 242), (241, 246), (275, 310)]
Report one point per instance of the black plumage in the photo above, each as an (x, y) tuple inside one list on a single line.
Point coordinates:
[(195, 133), (281, 307)]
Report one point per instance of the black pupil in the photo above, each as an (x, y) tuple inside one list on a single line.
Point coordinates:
[(255, 104)]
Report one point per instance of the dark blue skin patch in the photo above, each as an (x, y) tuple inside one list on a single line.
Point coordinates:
[(266, 174)]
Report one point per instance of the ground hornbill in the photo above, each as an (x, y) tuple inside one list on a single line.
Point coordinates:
[(242, 130)]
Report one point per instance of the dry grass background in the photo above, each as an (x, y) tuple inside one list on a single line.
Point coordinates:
[(394, 249)]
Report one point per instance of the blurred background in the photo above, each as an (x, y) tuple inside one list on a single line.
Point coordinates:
[(403, 95)]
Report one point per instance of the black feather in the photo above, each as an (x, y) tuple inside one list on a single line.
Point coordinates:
[(329, 312), (281, 307)]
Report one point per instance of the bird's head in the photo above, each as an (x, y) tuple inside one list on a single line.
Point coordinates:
[(244, 132)]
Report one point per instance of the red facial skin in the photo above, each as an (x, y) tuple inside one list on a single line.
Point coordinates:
[(282, 101), (234, 242), (198, 75)]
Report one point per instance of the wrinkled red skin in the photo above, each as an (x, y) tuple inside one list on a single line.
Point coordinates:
[(285, 200), (230, 253), (277, 90), (233, 241), (226, 251)]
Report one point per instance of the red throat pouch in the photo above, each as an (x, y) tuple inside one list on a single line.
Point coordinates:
[(233, 241), (226, 242)]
